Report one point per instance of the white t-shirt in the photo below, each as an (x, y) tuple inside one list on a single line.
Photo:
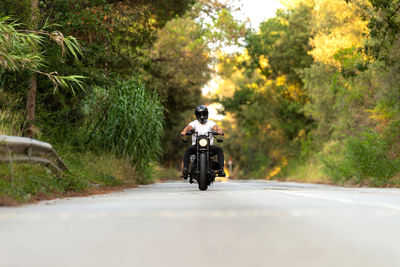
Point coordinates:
[(202, 129)]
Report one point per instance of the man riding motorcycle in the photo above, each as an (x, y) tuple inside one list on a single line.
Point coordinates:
[(202, 126)]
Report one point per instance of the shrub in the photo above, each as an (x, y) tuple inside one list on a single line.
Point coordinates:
[(128, 121), (365, 159)]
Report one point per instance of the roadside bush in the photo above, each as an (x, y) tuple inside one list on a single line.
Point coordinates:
[(258, 166), (128, 121), (364, 160)]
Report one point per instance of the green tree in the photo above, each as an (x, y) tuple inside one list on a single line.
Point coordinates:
[(353, 87), (268, 103), (180, 63), (111, 34), (177, 69), (283, 42), (19, 52)]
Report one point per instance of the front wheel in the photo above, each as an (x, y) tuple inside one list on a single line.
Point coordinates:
[(203, 173)]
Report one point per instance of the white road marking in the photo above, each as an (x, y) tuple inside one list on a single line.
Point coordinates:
[(343, 200)]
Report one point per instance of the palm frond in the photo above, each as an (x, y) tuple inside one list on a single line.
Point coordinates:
[(73, 46), (67, 82), (19, 51)]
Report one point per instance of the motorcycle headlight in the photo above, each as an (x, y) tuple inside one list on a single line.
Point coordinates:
[(203, 142)]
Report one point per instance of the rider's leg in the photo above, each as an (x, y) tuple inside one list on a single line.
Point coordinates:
[(186, 160), (220, 152)]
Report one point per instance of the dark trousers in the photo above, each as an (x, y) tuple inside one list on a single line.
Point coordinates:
[(192, 150)]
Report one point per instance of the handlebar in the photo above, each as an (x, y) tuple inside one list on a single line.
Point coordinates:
[(187, 134), (216, 133), (190, 133)]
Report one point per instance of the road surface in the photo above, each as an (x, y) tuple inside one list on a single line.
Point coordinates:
[(254, 223)]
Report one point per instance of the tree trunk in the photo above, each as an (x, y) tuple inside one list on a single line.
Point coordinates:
[(31, 99), (30, 108)]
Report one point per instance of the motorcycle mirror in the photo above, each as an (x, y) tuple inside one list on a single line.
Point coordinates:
[(220, 140)]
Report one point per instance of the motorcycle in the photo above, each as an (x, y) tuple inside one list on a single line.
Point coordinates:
[(203, 167)]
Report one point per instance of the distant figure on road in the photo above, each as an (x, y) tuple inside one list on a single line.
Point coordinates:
[(202, 125)]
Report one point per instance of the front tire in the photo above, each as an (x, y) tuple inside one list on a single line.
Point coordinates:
[(203, 173)]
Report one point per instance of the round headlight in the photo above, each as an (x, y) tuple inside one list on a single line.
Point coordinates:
[(203, 142)]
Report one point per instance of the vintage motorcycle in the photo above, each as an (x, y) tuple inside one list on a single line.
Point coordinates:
[(203, 167)]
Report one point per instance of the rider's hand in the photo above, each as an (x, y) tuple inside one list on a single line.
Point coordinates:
[(183, 133)]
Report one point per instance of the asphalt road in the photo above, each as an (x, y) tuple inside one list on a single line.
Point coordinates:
[(255, 223)]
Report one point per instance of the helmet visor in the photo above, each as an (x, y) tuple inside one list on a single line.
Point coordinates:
[(202, 116)]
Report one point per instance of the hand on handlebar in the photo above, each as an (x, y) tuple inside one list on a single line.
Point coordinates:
[(189, 133), (217, 133)]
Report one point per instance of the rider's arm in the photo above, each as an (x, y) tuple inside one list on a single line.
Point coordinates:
[(187, 129), (218, 129)]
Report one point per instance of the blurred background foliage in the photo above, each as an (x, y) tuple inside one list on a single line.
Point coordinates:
[(316, 94)]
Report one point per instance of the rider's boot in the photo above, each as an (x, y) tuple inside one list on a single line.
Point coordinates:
[(185, 173), (221, 172)]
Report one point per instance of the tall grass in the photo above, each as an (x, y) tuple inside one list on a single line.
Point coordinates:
[(88, 172), (11, 117), (128, 121), (10, 123)]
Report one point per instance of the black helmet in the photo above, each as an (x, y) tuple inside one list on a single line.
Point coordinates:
[(201, 113)]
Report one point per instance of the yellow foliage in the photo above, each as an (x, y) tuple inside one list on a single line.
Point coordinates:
[(338, 25), (229, 119), (281, 80), (302, 133), (263, 77), (263, 61), (278, 169), (381, 116), (295, 3), (244, 57), (295, 92), (274, 172), (252, 86), (227, 87)]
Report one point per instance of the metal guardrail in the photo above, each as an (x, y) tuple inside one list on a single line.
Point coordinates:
[(22, 149)]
